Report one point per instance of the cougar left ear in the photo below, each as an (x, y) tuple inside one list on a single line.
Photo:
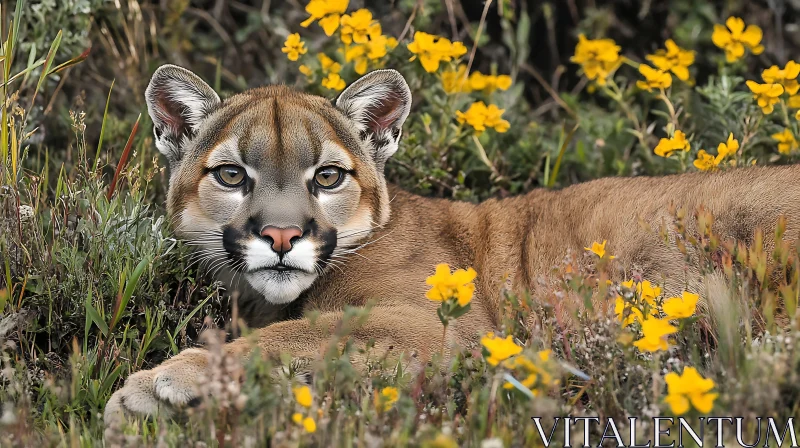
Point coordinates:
[(379, 103), (178, 101)]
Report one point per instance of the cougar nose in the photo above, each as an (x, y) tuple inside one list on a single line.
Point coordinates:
[(281, 237)]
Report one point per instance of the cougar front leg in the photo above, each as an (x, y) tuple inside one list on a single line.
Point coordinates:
[(408, 332)]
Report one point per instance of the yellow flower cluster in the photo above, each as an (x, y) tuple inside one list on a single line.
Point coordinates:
[(654, 335), (786, 141), (456, 81), (653, 79), (327, 12), (499, 349), (707, 162), (331, 69), (432, 50), (361, 35), (302, 396), (480, 116), (667, 146), (767, 95), (645, 309), (598, 58), (357, 27), (294, 47), (777, 81), (786, 76), (733, 37), (387, 397), (645, 292), (673, 59), (689, 387), (445, 286), (537, 370), (364, 40)]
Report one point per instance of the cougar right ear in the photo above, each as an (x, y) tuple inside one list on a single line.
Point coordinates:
[(178, 101)]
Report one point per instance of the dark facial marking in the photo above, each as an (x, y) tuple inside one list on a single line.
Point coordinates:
[(230, 242)]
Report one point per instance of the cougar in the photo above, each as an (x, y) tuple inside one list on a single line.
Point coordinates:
[(286, 192)]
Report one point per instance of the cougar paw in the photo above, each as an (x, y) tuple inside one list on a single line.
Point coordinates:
[(160, 391)]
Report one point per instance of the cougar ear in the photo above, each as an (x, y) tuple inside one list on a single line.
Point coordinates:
[(379, 103), (177, 100)]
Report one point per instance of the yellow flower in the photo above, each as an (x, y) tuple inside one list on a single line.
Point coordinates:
[(793, 102), (728, 147), (302, 395), (309, 424), (294, 47), (386, 398), (328, 65), (480, 116), (356, 26), (635, 315), (767, 95), (375, 48), (456, 81), (678, 142), (734, 37), (653, 79), (681, 307), (655, 332), (445, 285), (499, 349), (673, 59), (645, 290), (327, 12), (537, 374), (599, 249), (797, 116), (690, 387), (441, 441), (297, 418), (597, 57), (432, 50), (304, 69), (648, 292), (489, 83), (786, 141), (787, 77), (706, 161), (333, 82), (357, 53)]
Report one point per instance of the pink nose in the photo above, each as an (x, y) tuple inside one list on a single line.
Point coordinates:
[(282, 237)]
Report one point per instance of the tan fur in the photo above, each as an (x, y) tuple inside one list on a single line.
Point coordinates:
[(516, 240)]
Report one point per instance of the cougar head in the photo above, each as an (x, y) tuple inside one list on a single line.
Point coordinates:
[(271, 183)]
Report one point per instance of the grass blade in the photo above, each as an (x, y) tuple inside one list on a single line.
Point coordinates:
[(48, 62), (184, 323), (552, 179), (93, 316), (102, 128), (15, 27), (74, 61), (123, 159), (129, 288)]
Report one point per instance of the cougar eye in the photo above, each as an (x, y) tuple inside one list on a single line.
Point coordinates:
[(329, 177), (230, 175)]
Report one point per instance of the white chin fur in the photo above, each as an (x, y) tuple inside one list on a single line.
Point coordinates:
[(280, 287)]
